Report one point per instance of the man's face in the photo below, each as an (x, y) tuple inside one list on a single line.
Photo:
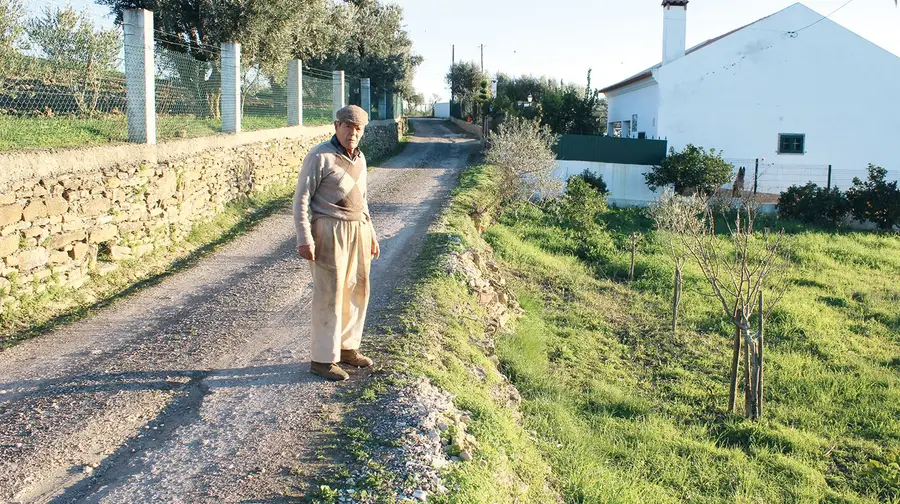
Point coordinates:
[(349, 134)]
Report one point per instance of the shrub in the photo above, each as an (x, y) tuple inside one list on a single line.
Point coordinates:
[(522, 152), (690, 170), (595, 181), (875, 199), (578, 212), (811, 203), (581, 205)]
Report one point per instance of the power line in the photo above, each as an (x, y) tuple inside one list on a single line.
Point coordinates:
[(793, 33)]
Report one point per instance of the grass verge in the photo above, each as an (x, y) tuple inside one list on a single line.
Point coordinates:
[(57, 306), (626, 411), (618, 409), (435, 330)]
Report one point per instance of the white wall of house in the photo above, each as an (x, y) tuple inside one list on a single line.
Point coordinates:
[(442, 110), (641, 98), (825, 82), (626, 183)]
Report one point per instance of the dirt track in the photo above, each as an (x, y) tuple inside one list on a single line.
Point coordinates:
[(197, 389)]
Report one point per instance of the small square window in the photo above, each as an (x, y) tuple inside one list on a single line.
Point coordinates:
[(791, 143)]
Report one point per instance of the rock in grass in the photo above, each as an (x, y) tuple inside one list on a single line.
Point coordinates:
[(420, 495), (465, 455)]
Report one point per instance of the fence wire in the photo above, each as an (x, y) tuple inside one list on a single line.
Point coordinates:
[(60, 91), (318, 99), (188, 92), (769, 180), (264, 100), (60, 94)]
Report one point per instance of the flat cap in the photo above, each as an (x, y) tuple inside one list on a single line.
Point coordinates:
[(352, 114)]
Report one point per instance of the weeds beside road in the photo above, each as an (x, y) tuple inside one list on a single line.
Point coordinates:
[(617, 408)]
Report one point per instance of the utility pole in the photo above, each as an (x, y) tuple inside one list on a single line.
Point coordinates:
[(452, 64), (482, 58)]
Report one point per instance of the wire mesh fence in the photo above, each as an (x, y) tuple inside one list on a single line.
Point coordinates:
[(58, 92), (188, 91), (768, 180), (264, 99), (66, 87), (318, 97)]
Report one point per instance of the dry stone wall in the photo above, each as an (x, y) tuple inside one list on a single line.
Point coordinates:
[(67, 223), (382, 137)]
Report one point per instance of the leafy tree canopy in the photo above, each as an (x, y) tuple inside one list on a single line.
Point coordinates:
[(464, 79), (376, 46), (692, 169)]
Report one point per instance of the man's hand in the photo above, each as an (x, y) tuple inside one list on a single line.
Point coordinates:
[(307, 252), (376, 249)]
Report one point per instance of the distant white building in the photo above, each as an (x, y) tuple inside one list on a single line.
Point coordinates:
[(794, 88), (442, 110)]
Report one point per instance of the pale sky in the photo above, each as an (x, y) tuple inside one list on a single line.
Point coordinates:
[(563, 38), (617, 38)]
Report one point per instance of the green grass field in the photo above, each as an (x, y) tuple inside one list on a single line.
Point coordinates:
[(25, 133), (617, 409)]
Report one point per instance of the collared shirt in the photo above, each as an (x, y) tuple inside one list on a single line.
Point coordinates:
[(342, 150)]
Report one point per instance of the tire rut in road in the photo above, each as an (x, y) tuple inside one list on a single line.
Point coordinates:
[(196, 389)]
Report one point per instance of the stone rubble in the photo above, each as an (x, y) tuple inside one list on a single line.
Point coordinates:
[(432, 433)]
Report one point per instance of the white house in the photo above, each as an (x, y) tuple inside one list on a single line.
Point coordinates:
[(442, 110), (794, 90)]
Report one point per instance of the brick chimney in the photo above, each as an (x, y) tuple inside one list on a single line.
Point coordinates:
[(674, 29)]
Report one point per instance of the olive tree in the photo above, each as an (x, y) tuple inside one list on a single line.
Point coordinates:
[(522, 151), (691, 170), (83, 55)]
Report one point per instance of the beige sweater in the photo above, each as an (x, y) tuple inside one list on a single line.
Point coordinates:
[(331, 184)]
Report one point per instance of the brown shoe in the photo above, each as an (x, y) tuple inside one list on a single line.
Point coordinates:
[(328, 371), (355, 358)]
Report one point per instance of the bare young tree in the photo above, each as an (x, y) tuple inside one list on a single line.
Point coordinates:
[(522, 150), (676, 217), (738, 268)]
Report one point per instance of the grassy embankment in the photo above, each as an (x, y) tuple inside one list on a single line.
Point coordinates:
[(616, 408)]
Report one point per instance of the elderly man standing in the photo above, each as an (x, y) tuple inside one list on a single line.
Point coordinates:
[(335, 233)]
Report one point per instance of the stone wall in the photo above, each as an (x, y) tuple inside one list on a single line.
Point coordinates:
[(381, 137), (67, 216), (469, 128)]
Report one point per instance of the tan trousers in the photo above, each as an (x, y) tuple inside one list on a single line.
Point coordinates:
[(343, 253)]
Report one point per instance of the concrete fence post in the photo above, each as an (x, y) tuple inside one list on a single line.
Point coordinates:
[(390, 107), (295, 93), (382, 106), (231, 87), (365, 91), (337, 84), (140, 82)]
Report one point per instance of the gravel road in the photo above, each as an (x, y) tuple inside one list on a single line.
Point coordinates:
[(197, 389)]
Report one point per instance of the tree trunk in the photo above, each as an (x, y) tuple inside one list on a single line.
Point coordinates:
[(754, 384), (735, 361), (676, 299), (748, 374), (759, 384), (633, 250)]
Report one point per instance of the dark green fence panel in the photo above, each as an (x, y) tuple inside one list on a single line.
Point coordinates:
[(605, 149)]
